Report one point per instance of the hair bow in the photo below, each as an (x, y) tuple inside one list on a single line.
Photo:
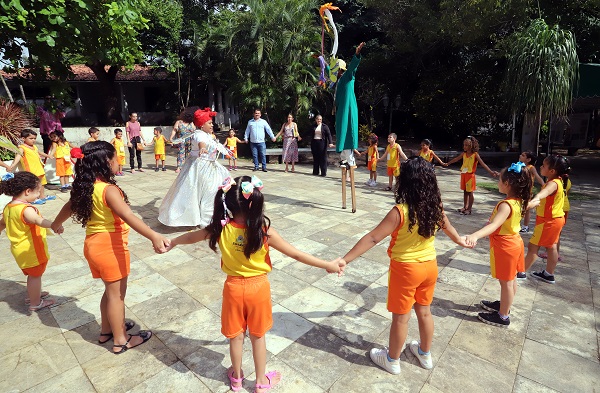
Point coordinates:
[(8, 176), (227, 183), (249, 186), (516, 167)]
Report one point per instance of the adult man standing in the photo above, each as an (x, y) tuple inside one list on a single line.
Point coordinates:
[(255, 133)]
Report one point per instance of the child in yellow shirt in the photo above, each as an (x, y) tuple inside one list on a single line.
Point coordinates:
[(231, 143), (392, 155), (159, 142), (119, 145), (94, 134)]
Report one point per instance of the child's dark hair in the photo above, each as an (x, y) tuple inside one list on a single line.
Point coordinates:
[(417, 187), (93, 130), (159, 129), (519, 182), (257, 224), (20, 182), (93, 166), (561, 165), (474, 143), (60, 135), (531, 156), (26, 132), (117, 130), (427, 142), (373, 137)]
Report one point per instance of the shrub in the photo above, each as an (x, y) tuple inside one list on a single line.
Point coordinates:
[(13, 119)]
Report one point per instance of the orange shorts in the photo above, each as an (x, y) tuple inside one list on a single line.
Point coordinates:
[(246, 305), (108, 255), (121, 160), (372, 165), (234, 150), (547, 231), (159, 157), (409, 283), (507, 256), (63, 167), (393, 171), (467, 182), (35, 271)]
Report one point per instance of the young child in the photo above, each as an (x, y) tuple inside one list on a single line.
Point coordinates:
[(119, 145), (159, 143), (372, 158), (244, 236), (507, 252), (412, 224), (26, 230), (31, 161), (94, 134), (470, 158), (427, 154), (98, 204), (231, 143), (393, 153), (61, 151), (529, 158), (550, 216)]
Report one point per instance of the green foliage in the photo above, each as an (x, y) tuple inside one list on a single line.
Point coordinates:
[(364, 131), (161, 41)]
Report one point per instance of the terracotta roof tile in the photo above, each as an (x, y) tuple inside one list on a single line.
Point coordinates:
[(139, 73)]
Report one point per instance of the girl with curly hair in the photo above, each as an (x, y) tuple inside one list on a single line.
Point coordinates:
[(507, 252), (412, 224), (26, 230), (100, 206)]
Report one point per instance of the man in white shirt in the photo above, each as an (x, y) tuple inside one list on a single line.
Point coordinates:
[(255, 134)]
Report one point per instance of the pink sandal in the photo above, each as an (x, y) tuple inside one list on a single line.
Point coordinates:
[(236, 381), (270, 375)]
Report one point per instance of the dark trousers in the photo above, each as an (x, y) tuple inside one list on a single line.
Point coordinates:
[(318, 147), (258, 154), (47, 143), (133, 151)]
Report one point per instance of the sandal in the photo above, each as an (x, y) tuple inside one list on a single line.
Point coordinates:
[(270, 375), (461, 210), (128, 326), (43, 304), (144, 334), (236, 381), (466, 212), (388, 189), (43, 295)]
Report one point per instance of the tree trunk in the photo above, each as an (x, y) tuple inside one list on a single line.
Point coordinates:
[(108, 89), (10, 97), (531, 133)]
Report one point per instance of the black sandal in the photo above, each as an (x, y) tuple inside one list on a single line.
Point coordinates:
[(128, 327), (144, 334)]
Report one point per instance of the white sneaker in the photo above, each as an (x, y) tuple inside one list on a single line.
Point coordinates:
[(369, 183), (373, 183), (425, 360), (379, 357)]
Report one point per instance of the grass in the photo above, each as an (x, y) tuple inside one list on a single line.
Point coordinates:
[(573, 196)]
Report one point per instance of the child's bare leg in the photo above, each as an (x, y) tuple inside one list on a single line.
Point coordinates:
[(104, 323), (286, 166), (532, 250), (526, 218), (34, 289), (43, 192), (425, 326), (391, 183), (507, 295), (374, 175), (62, 181), (552, 260), (259, 353), (470, 200), (398, 333), (293, 166), (115, 311), (236, 348), (465, 200)]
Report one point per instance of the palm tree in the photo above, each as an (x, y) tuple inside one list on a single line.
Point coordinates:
[(542, 70)]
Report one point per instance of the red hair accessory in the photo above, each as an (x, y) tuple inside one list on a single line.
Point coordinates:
[(76, 153), (201, 116)]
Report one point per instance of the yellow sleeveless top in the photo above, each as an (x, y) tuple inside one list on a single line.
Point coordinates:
[(408, 246), (159, 144), (27, 241), (567, 204), (512, 225), (233, 260), (63, 151), (469, 164), (427, 156), (372, 152), (392, 157), (103, 219), (119, 146), (31, 160), (231, 143), (552, 205)]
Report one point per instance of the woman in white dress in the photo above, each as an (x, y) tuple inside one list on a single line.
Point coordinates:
[(190, 200)]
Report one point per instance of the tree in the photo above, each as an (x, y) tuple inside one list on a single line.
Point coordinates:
[(543, 68)]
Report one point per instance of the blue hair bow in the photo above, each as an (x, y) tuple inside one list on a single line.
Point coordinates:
[(516, 167), (8, 176)]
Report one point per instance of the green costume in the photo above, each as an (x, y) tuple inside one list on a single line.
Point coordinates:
[(346, 111)]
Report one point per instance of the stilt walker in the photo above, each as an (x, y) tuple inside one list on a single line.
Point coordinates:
[(346, 122)]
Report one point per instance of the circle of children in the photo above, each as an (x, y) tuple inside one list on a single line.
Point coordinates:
[(242, 232)]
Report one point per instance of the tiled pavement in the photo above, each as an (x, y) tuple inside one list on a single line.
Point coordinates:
[(324, 325)]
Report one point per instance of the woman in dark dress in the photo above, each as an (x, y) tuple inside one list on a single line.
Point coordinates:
[(319, 144)]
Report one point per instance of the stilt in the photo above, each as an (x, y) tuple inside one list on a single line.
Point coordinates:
[(352, 189), (344, 171)]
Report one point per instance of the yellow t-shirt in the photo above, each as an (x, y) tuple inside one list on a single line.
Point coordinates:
[(103, 219), (119, 146), (31, 160), (566, 203), (427, 156), (469, 164), (552, 205), (233, 260), (27, 241), (512, 225), (393, 161), (159, 144), (408, 246), (63, 151), (231, 143)]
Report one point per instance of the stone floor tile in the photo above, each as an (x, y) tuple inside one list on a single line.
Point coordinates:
[(313, 304), (34, 364), (170, 306), (146, 288), (28, 330), (176, 257), (287, 327), (456, 371), (558, 368), (70, 381), (461, 278), (292, 380), (306, 273), (59, 273), (173, 379), (284, 285), (78, 287), (374, 299), (427, 388), (369, 269), (346, 287), (524, 385), (78, 312)]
